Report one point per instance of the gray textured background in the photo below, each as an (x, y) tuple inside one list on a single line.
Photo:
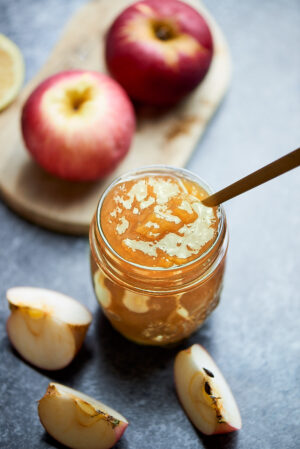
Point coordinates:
[(254, 333)]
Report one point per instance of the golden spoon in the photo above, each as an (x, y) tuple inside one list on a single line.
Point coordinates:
[(264, 174)]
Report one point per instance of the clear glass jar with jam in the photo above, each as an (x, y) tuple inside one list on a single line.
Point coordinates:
[(157, 254)]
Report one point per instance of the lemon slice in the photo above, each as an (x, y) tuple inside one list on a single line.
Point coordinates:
[(11, 71)]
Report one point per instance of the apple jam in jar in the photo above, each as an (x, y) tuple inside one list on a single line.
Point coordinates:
[(157, 254)]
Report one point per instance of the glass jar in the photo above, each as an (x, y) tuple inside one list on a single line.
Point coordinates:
[(156, 305)]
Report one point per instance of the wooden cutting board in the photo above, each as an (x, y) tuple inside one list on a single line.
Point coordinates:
[(161, 138)]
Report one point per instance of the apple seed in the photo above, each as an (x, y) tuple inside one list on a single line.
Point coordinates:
[(209, 373)]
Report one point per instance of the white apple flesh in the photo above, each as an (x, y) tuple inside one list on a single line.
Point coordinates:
[(79, 421), (47, 328), (204, 393)]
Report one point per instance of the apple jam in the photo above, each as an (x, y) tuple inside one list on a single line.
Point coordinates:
[(158, 254)]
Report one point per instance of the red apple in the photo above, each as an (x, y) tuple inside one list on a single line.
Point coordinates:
[(78, 125), (159, 50)]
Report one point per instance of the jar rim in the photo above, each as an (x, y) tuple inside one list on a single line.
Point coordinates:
[(163, 169)]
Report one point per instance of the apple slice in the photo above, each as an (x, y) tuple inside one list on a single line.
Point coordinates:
[(79, 421), (204, 393), (46, 327)]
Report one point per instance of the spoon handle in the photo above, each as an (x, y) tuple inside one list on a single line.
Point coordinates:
[(264, 174)]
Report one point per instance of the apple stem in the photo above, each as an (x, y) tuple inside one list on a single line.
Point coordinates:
[(163, 31)]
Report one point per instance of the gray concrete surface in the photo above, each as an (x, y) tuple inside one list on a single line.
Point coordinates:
[(254, 333)]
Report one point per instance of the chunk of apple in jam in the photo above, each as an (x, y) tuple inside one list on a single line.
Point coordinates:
[(47, 328), (204, 393), (79, 421)]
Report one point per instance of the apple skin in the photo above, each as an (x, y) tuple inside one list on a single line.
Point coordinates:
[(78, 125), (155, 71)]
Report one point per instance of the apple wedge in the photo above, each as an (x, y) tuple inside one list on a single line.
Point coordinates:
[(204, 393), (79, 421), (46, 327)]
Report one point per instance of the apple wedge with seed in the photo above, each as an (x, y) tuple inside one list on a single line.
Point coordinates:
[(204, 393), (79, 421), (47, 328)]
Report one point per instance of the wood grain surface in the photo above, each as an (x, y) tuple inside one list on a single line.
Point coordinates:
[(165, 137)]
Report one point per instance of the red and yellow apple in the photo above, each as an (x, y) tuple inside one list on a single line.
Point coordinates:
[(159, 50), (78, 125), (79, 421), (204, 393)]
